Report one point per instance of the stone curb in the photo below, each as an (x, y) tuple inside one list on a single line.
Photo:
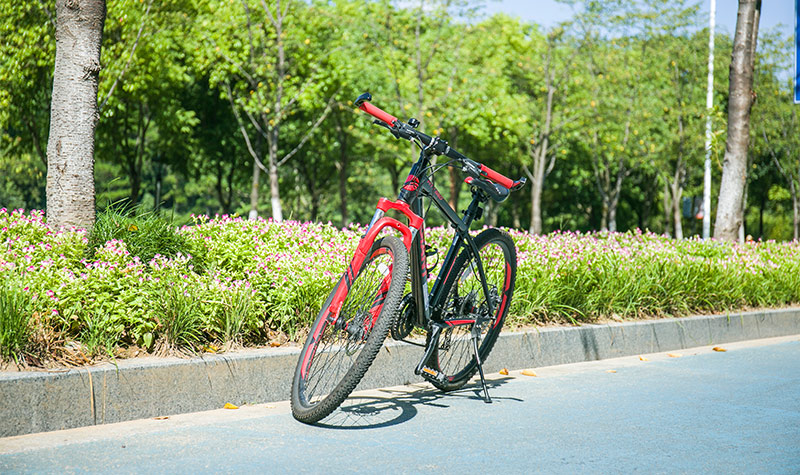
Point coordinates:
[(150, 387)]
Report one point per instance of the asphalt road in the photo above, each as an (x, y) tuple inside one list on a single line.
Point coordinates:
[(703, 411)]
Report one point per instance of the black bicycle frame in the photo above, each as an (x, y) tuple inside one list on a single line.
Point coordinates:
[(429, 305)]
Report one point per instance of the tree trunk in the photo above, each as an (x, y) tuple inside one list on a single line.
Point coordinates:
[(796, 215), (456, 178), (677, 214), (254, 191), (540, 152), (274, 191), (342, 166), (515, 219), (667, 202), (536, 201), (612, 218), (741, 98), (73, 113)]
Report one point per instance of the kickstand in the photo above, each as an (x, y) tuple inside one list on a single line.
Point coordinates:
[(486, 397)]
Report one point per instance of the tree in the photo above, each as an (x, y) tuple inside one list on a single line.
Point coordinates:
[(545, 79), (70, 148), (143, 122), (776, 121), (676, 70), (730, 213), (257, 59), (27, 51)]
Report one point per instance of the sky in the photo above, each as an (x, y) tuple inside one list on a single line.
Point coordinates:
[(550, 12), (774, 14)]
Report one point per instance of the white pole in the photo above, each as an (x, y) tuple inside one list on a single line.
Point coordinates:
[(709, 110)]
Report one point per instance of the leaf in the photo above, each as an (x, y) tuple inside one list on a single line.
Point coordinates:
[(529, 372), (274, 343), (674, 355), (230, 406), (504, 371), (719, 348), (642, 358), (161, 418), (611, 371), (133, 227)]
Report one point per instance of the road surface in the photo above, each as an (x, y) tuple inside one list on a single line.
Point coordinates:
[(696, 411)]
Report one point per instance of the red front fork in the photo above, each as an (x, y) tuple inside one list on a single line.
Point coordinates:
[(364, 247)]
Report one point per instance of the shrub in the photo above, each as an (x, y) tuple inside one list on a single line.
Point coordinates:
[(258, 277), (145, 234), (181, 319)]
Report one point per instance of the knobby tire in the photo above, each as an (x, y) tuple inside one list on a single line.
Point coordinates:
[(455, 357), (332, 364)]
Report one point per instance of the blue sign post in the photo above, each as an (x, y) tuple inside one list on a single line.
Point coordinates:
[(796, 51)]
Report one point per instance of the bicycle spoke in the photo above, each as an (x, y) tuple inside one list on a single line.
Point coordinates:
[(331, 365)]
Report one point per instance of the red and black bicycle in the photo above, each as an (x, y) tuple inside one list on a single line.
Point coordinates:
[(462, 313)]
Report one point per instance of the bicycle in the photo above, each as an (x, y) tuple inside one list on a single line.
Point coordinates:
[(463, 312)]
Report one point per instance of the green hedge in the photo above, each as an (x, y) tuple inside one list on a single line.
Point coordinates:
[(227, 280)]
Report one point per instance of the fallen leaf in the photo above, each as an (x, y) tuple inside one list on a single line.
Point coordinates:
[(161, 418), (274, 343), (230, 406), (529, 372), (611, 371), (674, 355), (504, 371), (719, 348), (642, 358)]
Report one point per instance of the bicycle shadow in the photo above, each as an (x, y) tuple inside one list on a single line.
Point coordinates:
[(374, 411)]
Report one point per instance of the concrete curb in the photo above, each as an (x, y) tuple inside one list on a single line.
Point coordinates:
[(135, 389)]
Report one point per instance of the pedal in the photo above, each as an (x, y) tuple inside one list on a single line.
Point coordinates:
[(431, 375)]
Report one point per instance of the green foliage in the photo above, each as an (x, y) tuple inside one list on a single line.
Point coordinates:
[(628, 107)]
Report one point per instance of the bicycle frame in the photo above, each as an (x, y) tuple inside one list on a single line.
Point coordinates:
[(428, 304)]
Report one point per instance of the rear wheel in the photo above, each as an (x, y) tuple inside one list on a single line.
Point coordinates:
[(466, 301), (339, 350)]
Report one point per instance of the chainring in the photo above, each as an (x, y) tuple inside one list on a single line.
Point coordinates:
[(404, 323)]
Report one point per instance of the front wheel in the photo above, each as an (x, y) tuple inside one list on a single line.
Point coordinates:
[(467, 303), (340, 348)]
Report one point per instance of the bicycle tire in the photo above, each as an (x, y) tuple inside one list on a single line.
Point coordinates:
[(455, 358), (332, 363)]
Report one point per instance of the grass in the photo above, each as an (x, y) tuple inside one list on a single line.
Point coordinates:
[(145, 233), (15, 315), (181, 320)]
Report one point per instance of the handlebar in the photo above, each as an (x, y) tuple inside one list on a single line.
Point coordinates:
[(437, 146)]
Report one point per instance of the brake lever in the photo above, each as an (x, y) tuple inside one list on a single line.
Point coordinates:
[(519, 184)]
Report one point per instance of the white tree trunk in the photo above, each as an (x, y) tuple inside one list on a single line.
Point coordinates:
[(73, 113), (254, 185), (734, 167)]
